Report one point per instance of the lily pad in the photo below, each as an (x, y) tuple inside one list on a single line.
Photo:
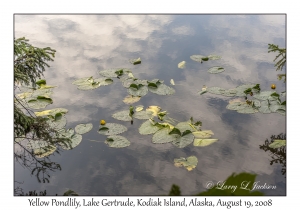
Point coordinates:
[(230, 92), (111, 72), (277, 143), (162, 89), (89, 86), (143, 115), (183, 141), (216, 70), (39, 103), (248, 109), (57, 124), (181, 65), (45, 151), (214, 57), (122, 115), (240, 89), (135, 61), (264, 95), (183, 126), (83, 81), (139, 108), (203, 134), (104, 81), (75, 141), (117, 141), (141, 91), (204, 142), (131, 99), (162, 136), (189, 163), (83, 128), (113, 129), (148, 127), (24, 95), (63, 133), (32, 145), (216, 90), (199, 58)]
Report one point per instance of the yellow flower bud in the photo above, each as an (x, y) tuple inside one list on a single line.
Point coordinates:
[(273, 86), (102, 122)]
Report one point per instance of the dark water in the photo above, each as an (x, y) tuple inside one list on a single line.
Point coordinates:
[(86, 44)]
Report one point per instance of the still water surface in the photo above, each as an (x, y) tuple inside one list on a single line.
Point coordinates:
[(86, 44)]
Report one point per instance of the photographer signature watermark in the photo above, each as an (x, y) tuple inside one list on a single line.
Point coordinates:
[(245, 185)]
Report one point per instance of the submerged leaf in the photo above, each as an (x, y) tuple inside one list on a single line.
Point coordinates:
[(83, 128), (113, 129), (216, 70), (189, 163), (181, 65), (117, 141), (204, 142)]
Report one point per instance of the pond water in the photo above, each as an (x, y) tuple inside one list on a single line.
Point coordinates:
[(87, 44)]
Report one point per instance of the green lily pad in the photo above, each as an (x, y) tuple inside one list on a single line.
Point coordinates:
[(75, 141), (46, 87), (162, 136), (111, 72), (277, 143), (135, 61), (45, 151), (199, 58), (181, 65), (230, 92), (122, 115), (41, 92), (203, 142), (104, 81), (183, 141), (83, 81), (142, 115), (83, 128), (32, 145), (214, 57), (248, 109), (203, 134), (57, 124), (264, 95), (162, 89), (39, 103), (241, 88), (216, 70), (216, 90), (63, 133), (183, 126), (131, 99), (281, 111), (142, 91), (113, 129), (148, 127), (24, 95), (189, 163), (117, 141)]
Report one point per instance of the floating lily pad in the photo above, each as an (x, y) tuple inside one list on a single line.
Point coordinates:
[(183, 141), (46, 87), (135, 61), (112, 129), (172, 82), (277, 143), (199, 58), (39, 102), (143, 115), (141, 91), (104, 81), (89, 86), (240, 89), (117, 141), (248, 109), (204, 142), (139, 108), (162, 136), (131, 99), (203, 134), (63, 133), (162, 89), (189, 163), (45, 151), (216, 70), (24, 95), (181, 65), (83, 128), (75, 141), (122, 115), (148, 127), (52, 112), (214, 57), (264, 95), (127, 82), (41, 92), (32, 145), (111, 72), (57, 124), (230, 92), (216, 90), (183, 126)]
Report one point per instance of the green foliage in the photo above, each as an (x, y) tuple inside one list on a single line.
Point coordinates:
[(280, 57), (70, 193), (175, 190)]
